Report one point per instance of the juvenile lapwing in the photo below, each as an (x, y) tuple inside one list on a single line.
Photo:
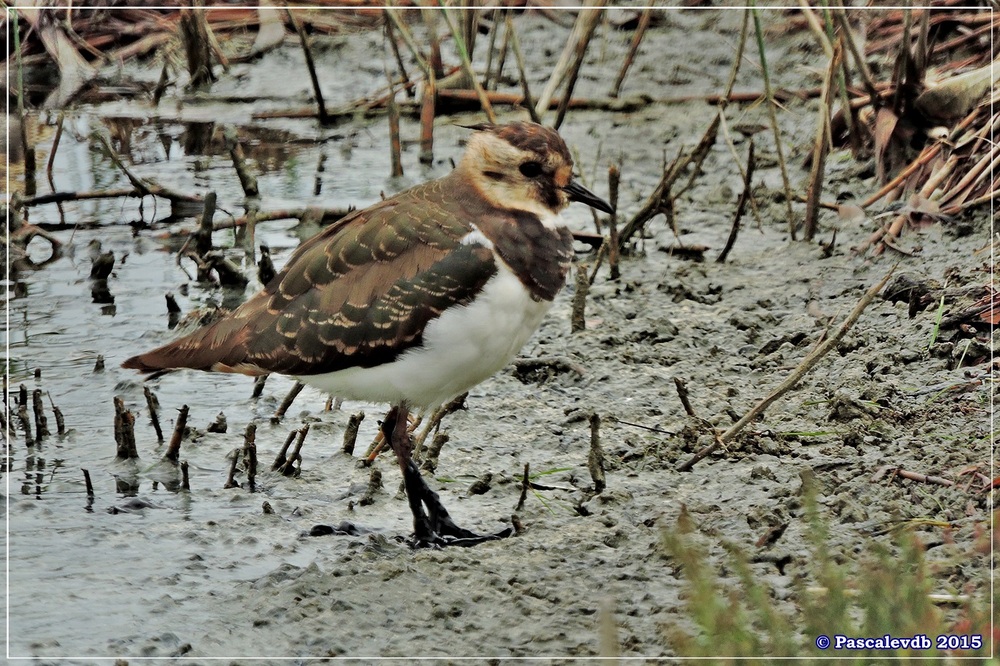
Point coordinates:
[(415, 299)]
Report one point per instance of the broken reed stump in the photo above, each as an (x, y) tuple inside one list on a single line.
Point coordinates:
[(433, 451), (231, 479), (38, 407), (614, 180), (124, 432), (185, 481), (219, 425), (247, 180), (258, 386), (577, 322), (525, 485), (99, 364), (57, 413), (151, 404), (595, 459), (374, 485), (250, 455), (22, 416), (22, 395), (265, 267), (89, 484), (296, 456), (287, 402), (395, 144), (351, 432), (174, 448), (279, 460), (197, 47)]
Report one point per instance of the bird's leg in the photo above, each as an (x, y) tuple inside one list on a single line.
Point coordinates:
[(435, 527)]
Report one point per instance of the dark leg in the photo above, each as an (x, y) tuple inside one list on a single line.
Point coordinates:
[(435, 527)]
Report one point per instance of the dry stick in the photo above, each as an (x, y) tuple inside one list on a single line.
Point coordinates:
[(144, 186), (430, 17), (591, 20), (525, 484), (403, 76), (29, 150), (519, 58), (250, 455), (174, 448), (125, 431), (231, 479), (614, 179), (89, 484), (409, 41), (196, 45), (395, 146), (287, 402), (859, 58), (310, 65), (928, 154), (60, 421), (633, 48), (434, 422), (577, 321), (682, 393), (427, 107), (562, 65), (151, 404), (741, 205), (296, 455), (351, 432), (772, 115), (51, 160), (258, 386), (59, 197), (38, 407), (821, 146), (279, 460), (912, 476), (22, 416), (490, 48), (434, 452), (502, 59), (595, 459), (793, 378), (658, 202), (464, 57), (247, 180)]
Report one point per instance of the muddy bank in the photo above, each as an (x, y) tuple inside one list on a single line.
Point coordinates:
[(210, 573)]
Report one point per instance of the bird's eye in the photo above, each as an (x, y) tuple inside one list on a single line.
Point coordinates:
[(531, 169)]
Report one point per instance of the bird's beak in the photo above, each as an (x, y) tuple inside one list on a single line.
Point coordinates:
[(580, 193)]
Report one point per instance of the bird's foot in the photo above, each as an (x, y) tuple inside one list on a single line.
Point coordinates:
[(435, 528)]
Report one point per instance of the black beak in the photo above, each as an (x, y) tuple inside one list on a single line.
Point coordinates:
[(580, 193)]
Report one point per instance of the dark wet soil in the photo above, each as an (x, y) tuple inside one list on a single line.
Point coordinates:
[(147, 570)]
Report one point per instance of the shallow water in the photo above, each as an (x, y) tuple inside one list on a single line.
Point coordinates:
[(208, 573)]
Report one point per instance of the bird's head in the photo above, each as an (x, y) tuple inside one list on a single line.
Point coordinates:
[(524, 166)]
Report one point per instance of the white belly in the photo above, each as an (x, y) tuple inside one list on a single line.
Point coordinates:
[(461, 348)]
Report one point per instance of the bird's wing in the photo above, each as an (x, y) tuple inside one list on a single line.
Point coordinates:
[(357, 294)]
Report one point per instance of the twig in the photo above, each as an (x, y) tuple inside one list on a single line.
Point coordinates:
[(590, 19), (174, 448), (351, 432), (682, 393), (296, 455), (151, 404), (633, 48), (287, 402), (577, 317), (614, 179), (466, 61), (250, 455), (793, 378), (515, 43), (525, 485), (310, 65), (772, 115), (912, 476), (595, 459), (741, 205)]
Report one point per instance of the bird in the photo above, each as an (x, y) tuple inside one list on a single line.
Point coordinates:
[(415, 299)]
